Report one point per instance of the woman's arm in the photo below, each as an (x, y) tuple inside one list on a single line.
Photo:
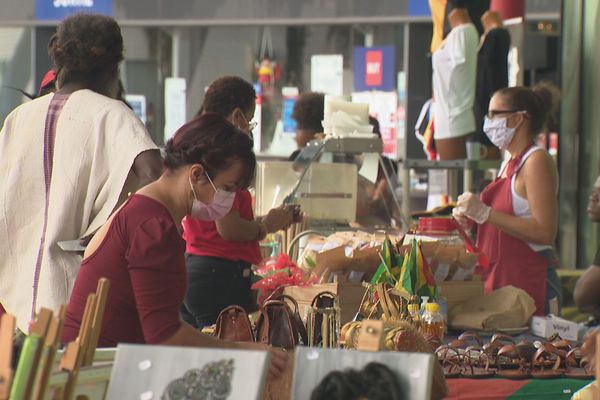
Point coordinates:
[(540, 181), (234, 228), (586, 294)]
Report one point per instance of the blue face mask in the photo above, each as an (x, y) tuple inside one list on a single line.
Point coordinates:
[(217, 209), (498, 133)]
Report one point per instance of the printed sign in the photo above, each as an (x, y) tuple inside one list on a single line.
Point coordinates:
[(56, 10), (374, 68), (384, 107), (175, 105), (327, 74), (290, 95)]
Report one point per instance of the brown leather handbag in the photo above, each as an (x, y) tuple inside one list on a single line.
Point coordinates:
[(234, 325), (279, 325)]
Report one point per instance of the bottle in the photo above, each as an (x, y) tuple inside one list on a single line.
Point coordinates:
[(415, 315), (433, 322), (441, 300)]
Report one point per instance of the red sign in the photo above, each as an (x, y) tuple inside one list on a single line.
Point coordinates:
[(373, 67)]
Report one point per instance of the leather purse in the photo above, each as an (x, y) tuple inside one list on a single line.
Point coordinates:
[(234, 325), (279, 325)]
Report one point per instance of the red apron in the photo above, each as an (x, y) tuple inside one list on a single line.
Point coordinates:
[(512, 261)]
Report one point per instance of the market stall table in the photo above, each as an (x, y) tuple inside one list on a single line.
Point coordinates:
[(498, 388)]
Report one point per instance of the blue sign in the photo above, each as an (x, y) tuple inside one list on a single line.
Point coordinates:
[(375, 68), (419, 8), (56, 10)]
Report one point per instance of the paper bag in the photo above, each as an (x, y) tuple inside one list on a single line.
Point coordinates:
[(507, 307)]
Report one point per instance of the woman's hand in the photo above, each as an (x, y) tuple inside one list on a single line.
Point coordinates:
[(462, 219), (470, 206), (278, 218)]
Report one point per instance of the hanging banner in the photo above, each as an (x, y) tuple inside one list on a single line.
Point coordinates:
[(56, 10), (327, 74), (384, 107), (257, 132), (175, 105), (374, 68)]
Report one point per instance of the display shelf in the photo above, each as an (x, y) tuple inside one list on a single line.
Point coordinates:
[(467, 166)]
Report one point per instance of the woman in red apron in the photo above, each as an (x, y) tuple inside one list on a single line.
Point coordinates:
[(517, 213)]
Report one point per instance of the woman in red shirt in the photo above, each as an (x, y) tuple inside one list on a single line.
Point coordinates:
[(219, 254), (140, 249)]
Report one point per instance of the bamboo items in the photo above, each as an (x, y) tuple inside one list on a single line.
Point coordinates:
[(77, 353), (288, 235), (7, 329), (324, 321), (24, 379), (48, 352)]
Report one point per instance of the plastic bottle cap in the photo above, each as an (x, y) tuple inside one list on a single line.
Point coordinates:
[(413, 307), (432, 307)]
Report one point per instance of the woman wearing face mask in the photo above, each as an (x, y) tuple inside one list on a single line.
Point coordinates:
[(517, 213), (140, 249), (220, 251)]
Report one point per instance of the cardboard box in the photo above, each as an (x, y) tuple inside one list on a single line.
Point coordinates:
[(457, 292), (549, 325), (349, 296)]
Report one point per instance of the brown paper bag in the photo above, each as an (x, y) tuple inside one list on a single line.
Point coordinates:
[(507, 307)]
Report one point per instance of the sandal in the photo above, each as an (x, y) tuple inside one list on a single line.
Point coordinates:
[(511, 364), (497, 341), (546, 362), (578, 368), (466, 339), (476, 363), (450, 360)]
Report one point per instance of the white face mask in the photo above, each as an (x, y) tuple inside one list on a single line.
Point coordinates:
[(498, 133), (217, 209)]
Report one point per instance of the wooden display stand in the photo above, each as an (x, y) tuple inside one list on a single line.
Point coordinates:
[(349, 296), (36, 376)]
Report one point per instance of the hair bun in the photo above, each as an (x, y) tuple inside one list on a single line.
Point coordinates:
[(548, 96), (87, 44)]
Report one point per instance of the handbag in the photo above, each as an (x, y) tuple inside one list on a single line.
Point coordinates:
[(234, 325), (280, 326)]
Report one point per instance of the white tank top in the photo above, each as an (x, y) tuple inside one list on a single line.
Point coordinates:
[(520, 204)]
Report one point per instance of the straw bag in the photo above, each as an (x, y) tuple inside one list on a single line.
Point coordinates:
[(323, 320)]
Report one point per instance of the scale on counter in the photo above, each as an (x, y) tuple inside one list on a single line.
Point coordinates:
[(326, 191)]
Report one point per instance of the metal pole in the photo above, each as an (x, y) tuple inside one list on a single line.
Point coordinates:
[(175, 52)]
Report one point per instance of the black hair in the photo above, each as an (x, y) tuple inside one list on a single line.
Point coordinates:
[(212, 141), (226, 94), (86, 48), (309, 110), (538, 102), (374, 382)]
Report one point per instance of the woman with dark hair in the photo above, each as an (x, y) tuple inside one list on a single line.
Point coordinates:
[(374, 382), (220, 253), (517, 213), (68, 160), (308, 113), (140, 249)]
